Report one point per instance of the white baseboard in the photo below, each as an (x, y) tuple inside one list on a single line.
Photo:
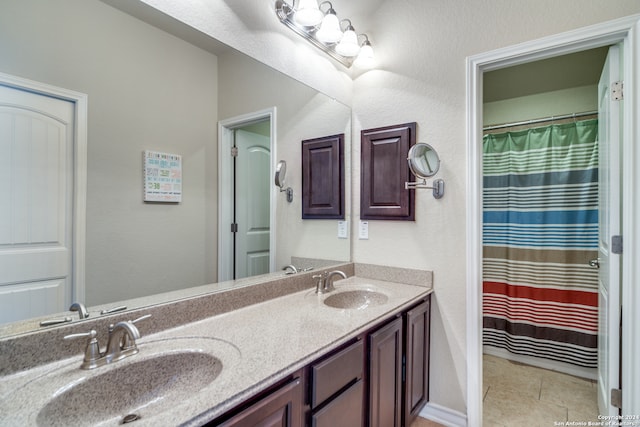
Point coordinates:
[(442, 415)]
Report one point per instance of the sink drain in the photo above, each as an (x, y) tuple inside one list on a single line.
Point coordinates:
[(130, 418)]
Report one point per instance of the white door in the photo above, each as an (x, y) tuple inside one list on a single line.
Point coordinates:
[(36, 190), (609, 130), (252, 183)]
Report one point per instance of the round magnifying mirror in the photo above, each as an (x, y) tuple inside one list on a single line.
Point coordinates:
[(423, 160), (281, 171)]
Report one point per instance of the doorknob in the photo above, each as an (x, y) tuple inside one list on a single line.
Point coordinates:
[(595, 263)]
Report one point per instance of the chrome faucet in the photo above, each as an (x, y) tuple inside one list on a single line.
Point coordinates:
[(80, 308), (290, 269), (121, 344), (122, 341), (324, 282)]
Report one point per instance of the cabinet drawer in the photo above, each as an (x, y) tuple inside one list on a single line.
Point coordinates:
[(343, 411), (333, 374)]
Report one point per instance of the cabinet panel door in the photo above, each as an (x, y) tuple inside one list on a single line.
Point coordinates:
[(417, 361), (383, 172), (323, 178), (385, 380), (336, 372), (343, 411), (279, 409)]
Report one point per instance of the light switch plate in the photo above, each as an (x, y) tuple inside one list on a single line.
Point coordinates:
[(363, 230), (343, 230)]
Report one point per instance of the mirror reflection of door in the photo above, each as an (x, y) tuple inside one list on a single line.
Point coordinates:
[(251, 200), (36, 183)]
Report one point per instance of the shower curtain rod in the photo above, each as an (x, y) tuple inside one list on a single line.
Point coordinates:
[(542, 120)]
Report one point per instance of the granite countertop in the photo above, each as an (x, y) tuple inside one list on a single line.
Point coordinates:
[(256, 345)]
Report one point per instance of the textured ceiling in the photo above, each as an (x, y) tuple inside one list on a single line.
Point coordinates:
[(562, 72)]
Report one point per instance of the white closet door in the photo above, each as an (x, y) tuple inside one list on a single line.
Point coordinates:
[(36, 190)]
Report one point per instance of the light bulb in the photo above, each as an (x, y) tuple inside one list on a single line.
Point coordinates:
[(365, 57), (308, 14), (329, 31), (348, 45)]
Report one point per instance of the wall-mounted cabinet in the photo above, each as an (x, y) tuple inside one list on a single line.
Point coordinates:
[(383, 172), (323, 178)]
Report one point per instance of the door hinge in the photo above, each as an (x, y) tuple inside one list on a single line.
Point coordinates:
[(234, 227), (616, 244), (617, 93), (616, 397), (234, 151)]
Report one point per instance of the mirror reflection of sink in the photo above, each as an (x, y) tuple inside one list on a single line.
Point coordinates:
[(357, 299), (120, 392), (143, 387)]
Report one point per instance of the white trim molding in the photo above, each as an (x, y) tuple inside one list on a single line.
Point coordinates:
[(445, 416), (225, 214), (80, 101), (624, 30)]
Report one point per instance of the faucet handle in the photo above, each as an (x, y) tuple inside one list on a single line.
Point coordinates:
[(146, 316), (127, 340), (92, 351)]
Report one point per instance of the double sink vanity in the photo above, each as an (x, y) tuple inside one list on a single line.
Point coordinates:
[(301, 349)]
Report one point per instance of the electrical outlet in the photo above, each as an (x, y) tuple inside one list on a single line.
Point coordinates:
[(363, 230)]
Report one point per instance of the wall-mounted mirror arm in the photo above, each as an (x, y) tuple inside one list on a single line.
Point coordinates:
[(424, 163), (438, 186), (281, 171)]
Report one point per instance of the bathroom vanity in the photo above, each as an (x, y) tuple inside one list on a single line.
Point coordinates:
[(357, 355)]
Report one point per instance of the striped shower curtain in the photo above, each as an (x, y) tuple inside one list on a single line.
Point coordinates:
[(540, 229)]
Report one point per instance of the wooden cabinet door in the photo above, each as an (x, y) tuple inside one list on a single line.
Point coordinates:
[(279, 409), (383, 172), (343, 411), (385, 375), (416, 387)]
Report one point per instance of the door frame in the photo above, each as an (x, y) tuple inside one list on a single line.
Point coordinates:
[(626, 31), (80, 101), (225, 178)]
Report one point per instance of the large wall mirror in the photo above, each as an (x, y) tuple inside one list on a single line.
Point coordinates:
[(153, 84)]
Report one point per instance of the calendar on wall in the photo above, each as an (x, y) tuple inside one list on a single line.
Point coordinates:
[(162, 175)]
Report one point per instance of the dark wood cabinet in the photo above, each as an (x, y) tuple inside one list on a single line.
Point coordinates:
[(380, 379), (337, 388), (385, 375), (345, 410), (280, 408), (383, 172), (323, 178), (416, 388)]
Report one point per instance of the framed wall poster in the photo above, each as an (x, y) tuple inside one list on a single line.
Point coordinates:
[(162, 176)]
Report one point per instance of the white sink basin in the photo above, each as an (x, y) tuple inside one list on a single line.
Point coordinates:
[(356, 299), (163, 374)]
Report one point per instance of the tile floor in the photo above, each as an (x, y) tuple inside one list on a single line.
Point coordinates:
[(521, 395), (421, 422)]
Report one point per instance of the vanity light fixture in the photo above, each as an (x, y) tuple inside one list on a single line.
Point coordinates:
[(320, 26), (365, 57), (308, 14)]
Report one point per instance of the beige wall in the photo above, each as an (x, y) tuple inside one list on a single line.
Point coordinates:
[(146, 90), (548, 104)]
